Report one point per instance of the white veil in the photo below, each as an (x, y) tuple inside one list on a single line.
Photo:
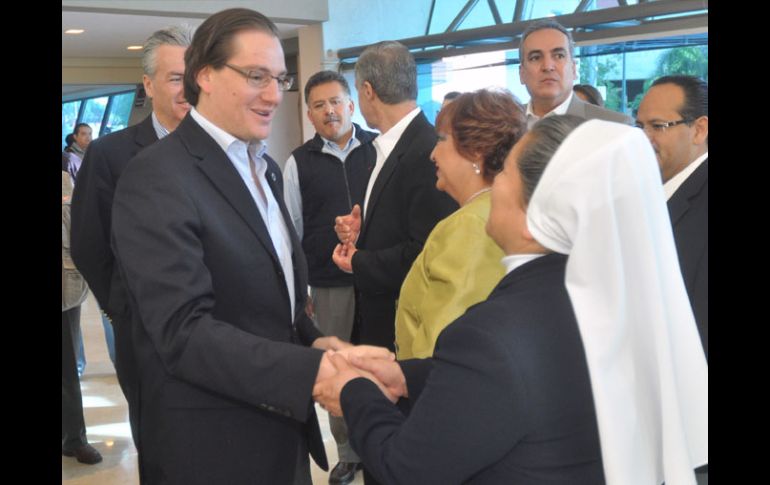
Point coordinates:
[(600, 200)]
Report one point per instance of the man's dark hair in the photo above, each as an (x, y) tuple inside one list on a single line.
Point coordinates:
[(323, 77), (592, 94), (212, 43), (78, 127), (696, 95), (451, 95)]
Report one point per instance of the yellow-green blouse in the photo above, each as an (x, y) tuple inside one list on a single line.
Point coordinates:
[(458, 267)]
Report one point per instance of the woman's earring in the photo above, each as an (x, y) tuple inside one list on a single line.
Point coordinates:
[(476, 169)]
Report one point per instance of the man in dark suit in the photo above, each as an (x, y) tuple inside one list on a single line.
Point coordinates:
[(163, 63), (674, 115), (401, 204), (216, 277), (548, 70)]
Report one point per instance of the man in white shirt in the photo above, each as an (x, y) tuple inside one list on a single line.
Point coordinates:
[(674, 115), (548, 70), (216, 278), (402, 203)]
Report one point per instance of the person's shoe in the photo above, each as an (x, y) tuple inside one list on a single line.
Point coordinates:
[(343, 473), (85, 454)]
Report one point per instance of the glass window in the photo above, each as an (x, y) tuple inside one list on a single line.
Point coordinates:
[(621, 73), (93, 114), (69, 118), (120, 110)]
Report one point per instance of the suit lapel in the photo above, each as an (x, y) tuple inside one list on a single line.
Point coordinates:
[(679, 203), (274, 177), (220, 171), (145, 133), (390, 165)]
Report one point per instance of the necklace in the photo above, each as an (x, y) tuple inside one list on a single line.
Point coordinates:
[(476, 194)]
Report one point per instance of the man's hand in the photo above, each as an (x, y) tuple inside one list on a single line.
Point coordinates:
[(330, 343), (327, 391), (386, 371), (343, 256), (367, 352), (348, 226)]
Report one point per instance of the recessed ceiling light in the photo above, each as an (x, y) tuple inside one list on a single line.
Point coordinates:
[(74, 31), (134, 47)]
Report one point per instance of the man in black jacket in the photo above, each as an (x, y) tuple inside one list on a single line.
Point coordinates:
[(674, 115), (402, 203), (325, 177), (163, 63)]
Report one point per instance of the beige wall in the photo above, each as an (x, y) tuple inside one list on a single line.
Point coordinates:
[(101, 71)]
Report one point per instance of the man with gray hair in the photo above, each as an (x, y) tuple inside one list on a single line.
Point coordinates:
[(548, 70), (163, 64), (401, 204)]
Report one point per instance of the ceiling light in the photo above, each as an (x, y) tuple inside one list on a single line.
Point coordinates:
[(74, 31), (134, 47)]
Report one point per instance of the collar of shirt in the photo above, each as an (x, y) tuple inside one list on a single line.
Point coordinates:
[(235, 149), (160, 130), (532, 118), (677, 180), (513, 261), (385, 142), (342, 153)]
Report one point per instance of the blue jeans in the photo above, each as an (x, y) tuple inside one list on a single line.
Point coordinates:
[(109, 337)]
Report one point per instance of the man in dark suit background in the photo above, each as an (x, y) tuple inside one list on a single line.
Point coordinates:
[(163, 64), (548, 70), (674, 115), (401, 205), (216, 277)]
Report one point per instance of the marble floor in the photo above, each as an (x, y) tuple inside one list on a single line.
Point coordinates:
[(106, 416)]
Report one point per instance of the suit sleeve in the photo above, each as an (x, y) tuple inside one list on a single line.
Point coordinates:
[(469, 415), (91, 221), (156, 240), (383, 270)]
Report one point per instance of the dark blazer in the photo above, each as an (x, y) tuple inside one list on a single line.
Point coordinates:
[(226, 379), (506, 398), (403, 207), (580, 108), (98, 176), (689, 211)]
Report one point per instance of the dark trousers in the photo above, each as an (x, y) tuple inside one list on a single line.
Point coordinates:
[(73, 425), (127, 372)]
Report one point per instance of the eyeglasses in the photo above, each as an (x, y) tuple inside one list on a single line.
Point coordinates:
[(660, 126), (261, 79)]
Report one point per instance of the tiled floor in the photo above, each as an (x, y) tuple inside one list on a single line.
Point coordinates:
[(107, 418)]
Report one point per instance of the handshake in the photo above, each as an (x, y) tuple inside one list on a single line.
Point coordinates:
[(343, 362)]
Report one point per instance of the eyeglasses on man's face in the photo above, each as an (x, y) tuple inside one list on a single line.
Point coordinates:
[(261, 79), (660, 126)]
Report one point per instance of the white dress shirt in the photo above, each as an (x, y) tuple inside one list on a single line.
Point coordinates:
[(239, 152), (532, 118), (677, 180), (384, 144)]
